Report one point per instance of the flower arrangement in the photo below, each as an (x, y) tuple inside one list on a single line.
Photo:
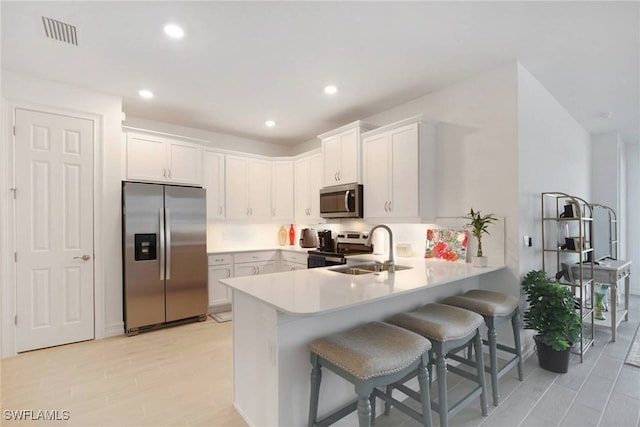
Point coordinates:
[(447, 244)]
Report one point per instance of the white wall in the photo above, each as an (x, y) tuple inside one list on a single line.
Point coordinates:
[(554, 155), (477, 153), (632, 157), (50, 96)]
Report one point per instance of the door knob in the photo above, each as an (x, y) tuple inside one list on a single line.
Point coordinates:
[(83, 257)]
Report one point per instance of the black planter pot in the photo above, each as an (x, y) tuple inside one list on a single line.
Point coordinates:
[(550, 359)]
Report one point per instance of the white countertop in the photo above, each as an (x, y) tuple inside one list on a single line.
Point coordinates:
[(320, 290)]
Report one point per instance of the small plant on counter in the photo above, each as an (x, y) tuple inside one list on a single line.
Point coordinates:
[(479, 225)]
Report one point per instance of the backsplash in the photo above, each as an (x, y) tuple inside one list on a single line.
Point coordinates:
[(234, 237)]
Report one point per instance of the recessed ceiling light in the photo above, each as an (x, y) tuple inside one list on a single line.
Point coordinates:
[(330, 90), (606, 114), (174, 31), (270, 123), (145, 93)]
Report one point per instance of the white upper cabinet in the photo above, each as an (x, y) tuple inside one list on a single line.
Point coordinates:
[(214, 184), (399, 171), (342, 154), (161, 159), (282, 190), (248, 188), (308, 181)]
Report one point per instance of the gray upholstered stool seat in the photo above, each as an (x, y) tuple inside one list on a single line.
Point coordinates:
[(449, 329), (372, 355), (496, 308)]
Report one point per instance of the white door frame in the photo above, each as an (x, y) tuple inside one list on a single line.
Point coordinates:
[(8, 284)]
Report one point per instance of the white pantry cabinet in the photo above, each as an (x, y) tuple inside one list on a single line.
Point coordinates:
[(341, 152), (214, 184), (161, 159), (220, 267), (248, 188), (254, 263), (282, 190), (308, 181), (400, 171)]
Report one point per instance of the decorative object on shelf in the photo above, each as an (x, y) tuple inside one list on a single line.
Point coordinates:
[(479, 225), (552, 314), (599, 306), (282, 236), (292, 235), (447, 244)]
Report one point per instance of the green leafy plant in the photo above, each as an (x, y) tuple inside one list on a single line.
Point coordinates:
[(479, 225), (551, 311)]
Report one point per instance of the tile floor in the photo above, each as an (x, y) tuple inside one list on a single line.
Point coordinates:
[(182, 376)]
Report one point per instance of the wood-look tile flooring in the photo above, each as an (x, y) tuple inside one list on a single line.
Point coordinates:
[(182, 376)]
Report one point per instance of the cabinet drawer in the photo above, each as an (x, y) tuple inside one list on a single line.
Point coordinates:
[(297, 257), (255, 256), (220, 259)]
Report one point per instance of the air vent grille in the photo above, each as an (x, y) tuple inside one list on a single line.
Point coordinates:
[(60, 31)]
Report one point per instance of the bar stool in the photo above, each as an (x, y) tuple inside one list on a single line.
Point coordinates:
[(372, 355), (449, 329), (496, 308)]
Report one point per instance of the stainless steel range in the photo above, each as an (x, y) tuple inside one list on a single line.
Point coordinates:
[(347, 243)]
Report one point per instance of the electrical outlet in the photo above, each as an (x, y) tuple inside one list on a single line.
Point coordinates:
[(527, 242)]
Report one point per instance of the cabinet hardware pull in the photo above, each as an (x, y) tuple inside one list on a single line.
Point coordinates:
[(169, 172), (390, 207), (164, 172), (385, 207)]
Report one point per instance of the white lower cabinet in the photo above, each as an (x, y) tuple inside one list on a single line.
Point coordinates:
[(290, 261), (220, 267), (254, 263)]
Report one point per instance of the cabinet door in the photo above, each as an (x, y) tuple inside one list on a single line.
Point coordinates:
[(218, 293), (405, 199), (292, 266), (184, 163), (245, 269), (146, 158), (259, 190), (349, 164), (331, 155), (214, 184), (266, 267), (376, 174), (301, 189), (282, 190), (236, 173), (315, 183)]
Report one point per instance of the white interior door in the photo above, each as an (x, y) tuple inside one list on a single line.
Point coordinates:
[(54, 229)]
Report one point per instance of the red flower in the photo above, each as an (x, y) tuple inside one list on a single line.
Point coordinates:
[(429, 234)]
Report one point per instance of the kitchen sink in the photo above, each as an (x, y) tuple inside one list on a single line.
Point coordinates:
[(360, 269)]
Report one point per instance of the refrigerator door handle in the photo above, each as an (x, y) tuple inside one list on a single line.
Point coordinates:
[(161, 244), (168, 237)]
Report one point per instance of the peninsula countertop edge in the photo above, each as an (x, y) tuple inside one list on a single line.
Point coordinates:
[(319, 291)]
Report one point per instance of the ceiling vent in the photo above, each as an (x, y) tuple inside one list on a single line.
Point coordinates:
[(60, 31)]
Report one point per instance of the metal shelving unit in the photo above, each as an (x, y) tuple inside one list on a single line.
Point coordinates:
[(567, 232)]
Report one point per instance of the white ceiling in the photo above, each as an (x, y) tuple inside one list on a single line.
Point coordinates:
[(241, 63)]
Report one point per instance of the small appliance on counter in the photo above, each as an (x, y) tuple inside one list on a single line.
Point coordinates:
[(346, 243), (325, 241), (308, 238)]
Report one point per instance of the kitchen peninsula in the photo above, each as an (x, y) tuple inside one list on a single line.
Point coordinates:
[(277, 315)]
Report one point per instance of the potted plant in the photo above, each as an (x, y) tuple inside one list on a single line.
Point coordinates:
[(552, 314), (479, 225)]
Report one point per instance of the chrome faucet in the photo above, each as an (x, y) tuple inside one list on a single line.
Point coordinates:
[(389, 263)]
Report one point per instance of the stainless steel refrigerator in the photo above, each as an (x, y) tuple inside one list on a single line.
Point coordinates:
[(164, 255)]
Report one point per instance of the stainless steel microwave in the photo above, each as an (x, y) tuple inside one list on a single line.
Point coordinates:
[(341, 201)]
